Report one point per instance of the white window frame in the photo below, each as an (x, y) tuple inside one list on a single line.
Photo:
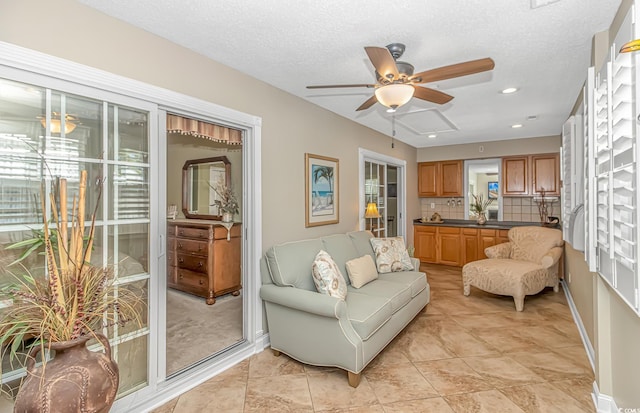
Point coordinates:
[(29, 66)]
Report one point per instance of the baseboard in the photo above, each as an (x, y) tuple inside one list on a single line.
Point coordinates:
[(603, 403), (583, 333), (263, 342)]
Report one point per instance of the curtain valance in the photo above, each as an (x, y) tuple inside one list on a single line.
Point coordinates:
[(205, 130)]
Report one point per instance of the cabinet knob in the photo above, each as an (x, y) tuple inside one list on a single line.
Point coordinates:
[(181, 232), (200, 264), (201, 282), (181, 260), (180, 245), (181, 276)]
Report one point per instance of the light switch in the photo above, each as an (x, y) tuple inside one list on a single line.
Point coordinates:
[(433, 205)]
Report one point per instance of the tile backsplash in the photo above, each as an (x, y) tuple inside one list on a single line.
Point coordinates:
[(515, 208)]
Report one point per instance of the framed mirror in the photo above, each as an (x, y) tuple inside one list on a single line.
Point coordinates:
[(199, 178)]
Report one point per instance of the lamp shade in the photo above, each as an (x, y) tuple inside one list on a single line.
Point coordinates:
[(394, 95), (70, 123), (372, 211)]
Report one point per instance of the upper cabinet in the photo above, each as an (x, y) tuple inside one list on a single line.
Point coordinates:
[(530, 175), (515, 176), (440, 179), (545, 174)]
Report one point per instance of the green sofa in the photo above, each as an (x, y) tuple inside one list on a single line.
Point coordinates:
[(321, 330)]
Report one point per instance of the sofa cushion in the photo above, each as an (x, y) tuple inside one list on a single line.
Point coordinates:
[(362, 244), (341, 249), (361, 271), (416, 280), (367, 313), (398, 294), (290, 263), (327, 276), (391, 254)]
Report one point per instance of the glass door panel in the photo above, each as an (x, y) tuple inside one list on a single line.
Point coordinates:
[(46, 135)]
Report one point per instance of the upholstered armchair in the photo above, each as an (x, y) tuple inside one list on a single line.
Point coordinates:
[(525, 265)]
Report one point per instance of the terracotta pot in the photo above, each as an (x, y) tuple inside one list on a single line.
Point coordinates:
[(76, 380)]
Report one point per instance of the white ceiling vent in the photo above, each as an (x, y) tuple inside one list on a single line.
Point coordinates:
[(540, 3)]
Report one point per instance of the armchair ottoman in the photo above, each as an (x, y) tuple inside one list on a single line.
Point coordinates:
[(523, 266)]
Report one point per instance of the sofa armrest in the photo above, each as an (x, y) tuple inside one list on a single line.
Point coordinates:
[(498, 251), (416, 263), (551, 257), (304, 300)]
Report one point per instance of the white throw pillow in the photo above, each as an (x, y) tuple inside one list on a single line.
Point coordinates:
[(391, 254), (327, 276), (361, 271)]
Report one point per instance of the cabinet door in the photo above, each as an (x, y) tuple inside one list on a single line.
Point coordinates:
[(487, 238), (451, 178), (428, 179), (424, 238), (469, 245), (449, 251), (515, 179), (503, 236), (545, 171)]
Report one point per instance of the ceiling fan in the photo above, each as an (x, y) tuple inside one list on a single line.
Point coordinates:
[(396, 83)]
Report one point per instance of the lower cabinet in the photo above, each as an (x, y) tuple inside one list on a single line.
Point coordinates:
[(437, 245), (453, 245)]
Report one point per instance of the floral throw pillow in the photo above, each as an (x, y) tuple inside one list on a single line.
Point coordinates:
[(391, 254), (327, 276)]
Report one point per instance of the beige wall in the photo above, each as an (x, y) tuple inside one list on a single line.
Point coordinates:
[(581, 283), (290, 126), (491, 149)]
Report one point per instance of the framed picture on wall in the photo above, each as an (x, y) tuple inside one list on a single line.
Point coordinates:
[(321, 190), (493, 189)]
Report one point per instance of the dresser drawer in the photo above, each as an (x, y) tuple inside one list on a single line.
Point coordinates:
[(191, 246), (192, 279), (193, 263), (197, 233)]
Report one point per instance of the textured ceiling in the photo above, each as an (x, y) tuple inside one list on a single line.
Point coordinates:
[(543, 51)]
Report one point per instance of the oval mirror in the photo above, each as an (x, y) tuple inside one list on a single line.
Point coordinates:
[(200, 178)]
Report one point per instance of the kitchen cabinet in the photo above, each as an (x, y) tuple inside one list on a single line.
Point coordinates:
[(454, 246), (438, 245), (529, 175), (424, 238), (469, 245), (440, 179), (545, 174), (515, 175)]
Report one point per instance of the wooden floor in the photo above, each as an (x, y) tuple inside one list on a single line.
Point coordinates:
[(464, 354)]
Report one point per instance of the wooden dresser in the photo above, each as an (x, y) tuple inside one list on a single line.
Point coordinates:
[(203, 258)]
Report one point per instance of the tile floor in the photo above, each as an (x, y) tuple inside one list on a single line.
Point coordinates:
[(464, 354)]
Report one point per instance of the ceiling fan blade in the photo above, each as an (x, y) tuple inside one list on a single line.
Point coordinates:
[(384, 63), (431, 95), (459, 69), (337, 86), (368, 103)]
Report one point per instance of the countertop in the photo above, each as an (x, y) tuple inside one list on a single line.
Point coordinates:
[(471, 223)]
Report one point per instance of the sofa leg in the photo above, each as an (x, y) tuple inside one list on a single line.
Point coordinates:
[(354, 379), (519, 301), (467, 289), (275, 352)]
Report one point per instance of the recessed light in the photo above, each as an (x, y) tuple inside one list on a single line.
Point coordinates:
[(517, 125), (509, 90), (431, 136)]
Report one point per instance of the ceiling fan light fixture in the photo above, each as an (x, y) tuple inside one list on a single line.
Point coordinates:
[(395, 95)]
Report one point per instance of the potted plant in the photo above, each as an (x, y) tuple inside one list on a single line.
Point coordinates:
[(227, 202), (61, 309), (479, 208)]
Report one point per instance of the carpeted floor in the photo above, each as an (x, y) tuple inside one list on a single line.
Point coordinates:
[(196, 330)]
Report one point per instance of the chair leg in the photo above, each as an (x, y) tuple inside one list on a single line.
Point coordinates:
[(354, 379), (275, 352), (467, 289), (556, 288), (519, 301)]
